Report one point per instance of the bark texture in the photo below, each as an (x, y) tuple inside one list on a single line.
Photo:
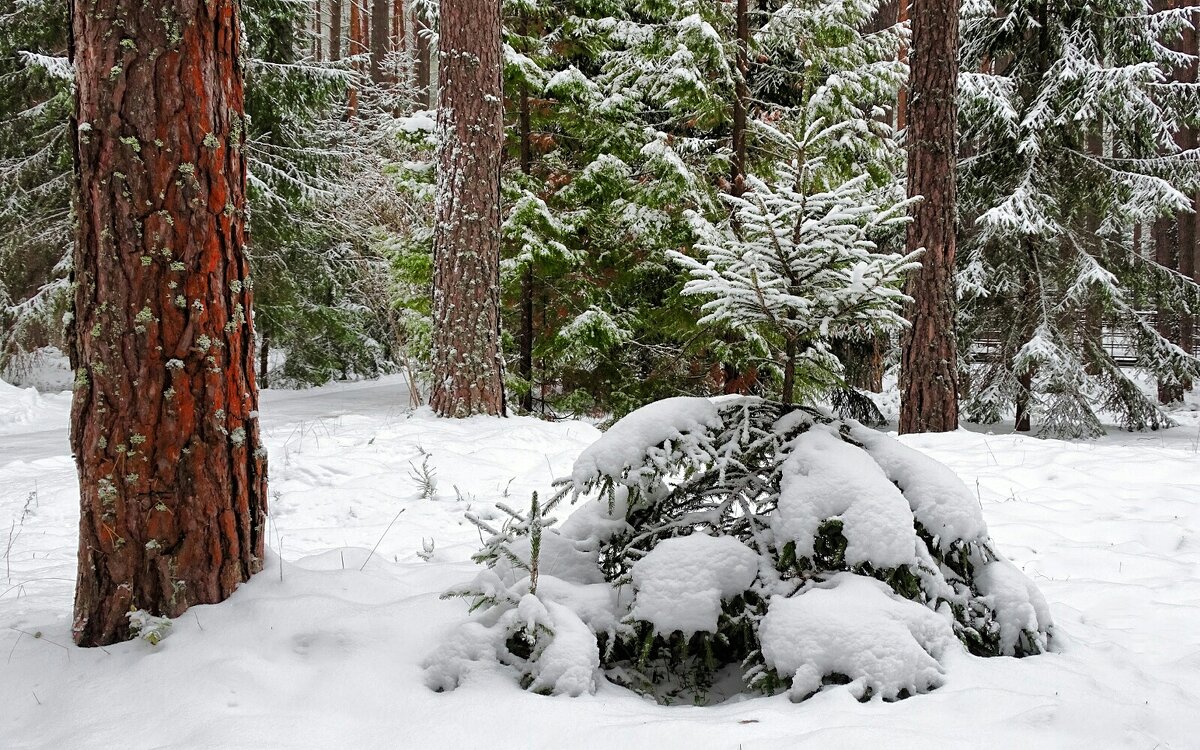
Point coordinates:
[(467, 366), (929, 356), (335, 29), (525, 340), (741, 98), (164, 424), (380, 39), (424, 59)]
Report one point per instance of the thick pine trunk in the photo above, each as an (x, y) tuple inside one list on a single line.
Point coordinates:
[(164, 426), (929, 353), (467, 367)]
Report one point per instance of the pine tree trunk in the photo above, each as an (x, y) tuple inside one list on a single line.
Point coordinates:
[(741, 99), (527, 281), (467, 366), (356, 47), (264, 362), (902, 94), (318, 28), (1166, 253), (172, 472), (379, 39), (789, 372), (929, 351), (335, 29), (399, 40), (1023, 421), (424, 61)]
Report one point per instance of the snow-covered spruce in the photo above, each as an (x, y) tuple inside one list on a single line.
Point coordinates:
[(737, 543)]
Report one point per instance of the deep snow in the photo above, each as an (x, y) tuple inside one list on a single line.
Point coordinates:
[(317, 653)]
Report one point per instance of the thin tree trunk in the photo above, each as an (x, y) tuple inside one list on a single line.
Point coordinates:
[(424, 62), (318, 30), (379, 39), (357, 47), (264, 362), (335, 29), (527, 280), (172, 472), (1166, 253), (929, 350), (1023, 421), (902, 94), (789, 372), (399, 42), (741, 99), (467, 364)]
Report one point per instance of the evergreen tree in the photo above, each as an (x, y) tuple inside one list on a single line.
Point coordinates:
[(1039, 80), (794, 267), (318, 195)]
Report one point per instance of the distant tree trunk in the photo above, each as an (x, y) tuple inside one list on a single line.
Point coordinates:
[(467, 365), (264, 361), (356, 47), (399, 40), (335, 29), (527, 280), (789, 373), (741, 99), (902, 94), (1023, 421), (172, 473), (423, 62), (929, 350), (1166, 234), (380, 33)]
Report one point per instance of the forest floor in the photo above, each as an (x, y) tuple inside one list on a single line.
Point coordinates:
[(324, 649)]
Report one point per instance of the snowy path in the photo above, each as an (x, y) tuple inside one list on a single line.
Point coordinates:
[(318, 654)]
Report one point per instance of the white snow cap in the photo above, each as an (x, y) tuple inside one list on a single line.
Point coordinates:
[(681, 582), (627, 442), (855, 626), (938, 498), (570, 663), (825, 477), (1018, 604)]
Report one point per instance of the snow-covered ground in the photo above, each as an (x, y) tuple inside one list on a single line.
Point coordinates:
[(324, 648)]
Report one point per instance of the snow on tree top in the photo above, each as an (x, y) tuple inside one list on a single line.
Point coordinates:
[(628, 442), (940, 502), (827, 478), (681, 582)]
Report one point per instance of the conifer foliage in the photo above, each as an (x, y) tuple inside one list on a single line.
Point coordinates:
[(743, 544), (1070, 122)]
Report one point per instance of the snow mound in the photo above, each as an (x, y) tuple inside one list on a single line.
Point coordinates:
[(628, 442), (25, 408), (940, 501), (680, 584), (854, 627), (563, 657), (569, 661), (827, 478), (1020, 608)]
